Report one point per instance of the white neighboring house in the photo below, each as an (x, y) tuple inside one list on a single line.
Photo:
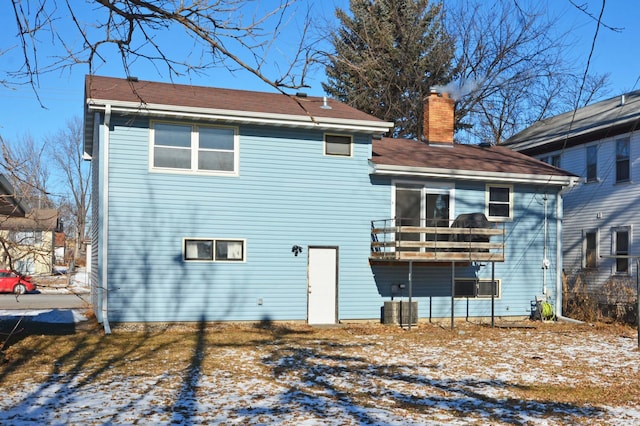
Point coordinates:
[(601, 144), (29, 242)]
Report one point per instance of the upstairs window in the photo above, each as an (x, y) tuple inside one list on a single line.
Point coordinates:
[(182, 147), (499, 202), (622, 160), (339, 145), (592, 163), (554, 160)]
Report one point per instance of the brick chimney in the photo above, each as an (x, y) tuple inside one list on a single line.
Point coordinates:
[(438, 118)]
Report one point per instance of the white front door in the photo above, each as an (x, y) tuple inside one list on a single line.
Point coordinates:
[(323, 285)]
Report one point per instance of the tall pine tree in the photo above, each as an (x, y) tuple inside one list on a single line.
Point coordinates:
[(387, 54)]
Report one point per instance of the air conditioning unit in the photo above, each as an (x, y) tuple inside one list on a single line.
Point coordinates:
[(397, 312)]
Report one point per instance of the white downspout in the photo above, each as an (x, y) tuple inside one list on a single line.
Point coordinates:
[(104, 160)]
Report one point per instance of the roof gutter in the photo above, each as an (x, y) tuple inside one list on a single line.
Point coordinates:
[(472, 175), (247, 117)]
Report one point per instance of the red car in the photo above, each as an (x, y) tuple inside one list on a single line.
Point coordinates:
[(14, 283)]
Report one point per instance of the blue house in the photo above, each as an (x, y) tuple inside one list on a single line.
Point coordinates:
[(224, 205)]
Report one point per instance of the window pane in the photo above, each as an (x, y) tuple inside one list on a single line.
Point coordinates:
[(499, 194), (465, 288), (215, 160), (622, 149), (591, 260), (172, 135), (592, 163), (216, 138), (198, 250), (337, 145), (622, 249), (484, 289), (622, 170), (499, 210), (175, 158), (229, 250), (622, 242), (622, 160)]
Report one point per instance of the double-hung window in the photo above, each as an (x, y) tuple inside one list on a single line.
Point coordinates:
[(622, 160), (621, 240), (194, 148), (499, 202)]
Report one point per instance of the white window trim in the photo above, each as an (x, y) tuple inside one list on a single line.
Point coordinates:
[(483, 280), (194, 150), (488, 200), (213, 241), (324, 145)]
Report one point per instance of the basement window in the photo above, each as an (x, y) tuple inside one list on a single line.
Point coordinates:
[(214, 250), (475, 288)]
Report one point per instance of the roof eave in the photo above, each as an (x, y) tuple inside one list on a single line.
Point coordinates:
[(473, 175), (244, 117)]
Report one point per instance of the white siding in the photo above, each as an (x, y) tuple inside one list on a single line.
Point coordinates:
[(600, 206)]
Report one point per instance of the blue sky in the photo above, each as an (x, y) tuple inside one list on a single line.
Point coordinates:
[(61, 93)]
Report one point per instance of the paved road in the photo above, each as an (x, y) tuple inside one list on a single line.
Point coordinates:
[(44, 301)]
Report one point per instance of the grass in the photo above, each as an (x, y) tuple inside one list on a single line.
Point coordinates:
[(42, 351)]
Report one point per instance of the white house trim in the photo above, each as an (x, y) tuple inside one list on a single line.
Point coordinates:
[(472, 175), (245, 117)]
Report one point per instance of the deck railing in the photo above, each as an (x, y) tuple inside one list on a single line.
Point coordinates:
[(401, 240)]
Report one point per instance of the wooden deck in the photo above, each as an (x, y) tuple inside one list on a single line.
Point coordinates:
[(437, 244)]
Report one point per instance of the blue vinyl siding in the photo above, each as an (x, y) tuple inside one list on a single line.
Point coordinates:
[(287, 193)]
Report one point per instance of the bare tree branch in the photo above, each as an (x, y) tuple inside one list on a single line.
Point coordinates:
[(209, 34)]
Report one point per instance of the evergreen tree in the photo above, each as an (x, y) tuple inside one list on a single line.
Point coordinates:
[(387, 54)]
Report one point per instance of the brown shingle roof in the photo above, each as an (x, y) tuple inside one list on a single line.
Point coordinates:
[(35, 220), (148, 92), (494, 159)]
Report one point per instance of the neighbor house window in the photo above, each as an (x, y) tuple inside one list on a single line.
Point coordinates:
[(214, 250), (554, 160), (620, 247), (337, 145), (591, 249), (622, 160), (592, 163), (194, 148), (476, 288), (499, 202), (26, 238)]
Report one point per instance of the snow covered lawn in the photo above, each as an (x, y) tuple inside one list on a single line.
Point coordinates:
[(298, 375)]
